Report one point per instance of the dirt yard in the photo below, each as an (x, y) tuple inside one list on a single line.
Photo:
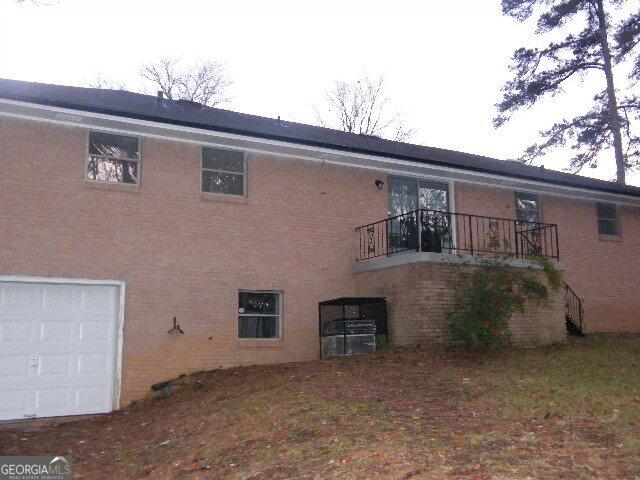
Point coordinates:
[(570, 411)]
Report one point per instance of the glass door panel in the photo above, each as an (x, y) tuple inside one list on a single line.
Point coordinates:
[(406, 195), (403, 195), (402, 226), (433, 196), (435, 221)]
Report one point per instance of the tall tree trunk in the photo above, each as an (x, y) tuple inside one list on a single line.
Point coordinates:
[(611, 93)]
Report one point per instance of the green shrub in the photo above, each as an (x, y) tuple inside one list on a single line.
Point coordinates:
[(486, 295)]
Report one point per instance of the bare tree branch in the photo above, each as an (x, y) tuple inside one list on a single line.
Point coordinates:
[(104, 83), (39, 2), (362, 107), (203, 82)]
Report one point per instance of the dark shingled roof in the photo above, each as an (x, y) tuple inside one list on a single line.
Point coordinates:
[(146, 107)]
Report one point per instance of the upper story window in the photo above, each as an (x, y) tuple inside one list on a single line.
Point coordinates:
[(608, 219), (113, 158), (223, 171), (259, 314), (528, 207)]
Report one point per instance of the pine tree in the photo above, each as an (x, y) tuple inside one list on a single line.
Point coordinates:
[(596, 47)]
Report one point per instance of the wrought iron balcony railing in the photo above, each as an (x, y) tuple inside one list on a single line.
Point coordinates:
[(574, 312), (446, 232)]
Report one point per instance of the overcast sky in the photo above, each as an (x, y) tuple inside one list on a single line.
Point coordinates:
[(444, 60)]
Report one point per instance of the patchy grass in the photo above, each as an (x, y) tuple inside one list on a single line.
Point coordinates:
[(567, 411)]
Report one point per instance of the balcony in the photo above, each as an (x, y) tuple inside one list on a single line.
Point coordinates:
[(436, 231)]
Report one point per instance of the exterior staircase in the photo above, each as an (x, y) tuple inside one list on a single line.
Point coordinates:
[(574, 315)]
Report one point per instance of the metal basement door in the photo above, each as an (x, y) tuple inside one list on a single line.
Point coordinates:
[(57, 348)]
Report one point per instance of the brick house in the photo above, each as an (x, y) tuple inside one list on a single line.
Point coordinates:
[(120, 212)]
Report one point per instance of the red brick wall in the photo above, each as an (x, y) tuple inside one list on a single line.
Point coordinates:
[(419, 295), (604, 271), (181, 255), (187, 256)]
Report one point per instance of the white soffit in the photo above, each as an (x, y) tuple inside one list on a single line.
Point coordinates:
[(388, 165)]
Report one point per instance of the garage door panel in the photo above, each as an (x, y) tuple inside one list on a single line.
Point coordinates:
[(94, 363), (52, 397), (57, 331), (92, 396), (21, 297), (14, 367), (62, 299), (98, 300), (100, 331), (15, 402), (14, 331), (57, 349), (55, 365)]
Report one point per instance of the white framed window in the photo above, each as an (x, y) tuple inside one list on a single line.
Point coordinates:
[(223, 171), (113, 158), (608, 219), (259, 314), (528, 207)]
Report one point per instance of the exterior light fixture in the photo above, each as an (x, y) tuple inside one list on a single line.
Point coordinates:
[(379, 184)]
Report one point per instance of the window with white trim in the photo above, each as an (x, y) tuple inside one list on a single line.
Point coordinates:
[(259, 314), (223, 171), (113, 158), (608, 219), (528, 207)]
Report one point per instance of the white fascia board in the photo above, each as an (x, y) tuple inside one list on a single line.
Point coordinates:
[(388, 165)]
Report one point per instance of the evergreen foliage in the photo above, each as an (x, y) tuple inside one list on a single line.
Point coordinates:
[(586, 48)]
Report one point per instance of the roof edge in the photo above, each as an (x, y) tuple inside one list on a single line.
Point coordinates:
[(605, 187)]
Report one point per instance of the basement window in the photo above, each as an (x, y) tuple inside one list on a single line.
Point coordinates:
[(608, 219), (223, 171), (528, 208), (259, 314), (113, 158)]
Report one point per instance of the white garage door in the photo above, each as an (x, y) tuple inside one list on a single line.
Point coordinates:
[(57, 349)]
